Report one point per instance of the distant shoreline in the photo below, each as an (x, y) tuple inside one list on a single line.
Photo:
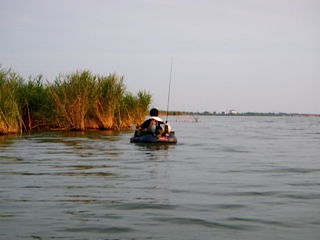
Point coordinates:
[(206, 113)]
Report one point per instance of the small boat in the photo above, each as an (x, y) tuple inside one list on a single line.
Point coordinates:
[(146, 137)]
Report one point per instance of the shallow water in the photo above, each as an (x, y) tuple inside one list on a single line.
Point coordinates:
[(227, 178)]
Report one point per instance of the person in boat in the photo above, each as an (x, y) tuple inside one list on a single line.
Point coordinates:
[(153, 124)]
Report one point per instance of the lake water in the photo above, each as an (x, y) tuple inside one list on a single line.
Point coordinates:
[(227, 178)]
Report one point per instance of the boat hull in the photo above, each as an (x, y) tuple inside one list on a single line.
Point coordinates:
[(150, 138)]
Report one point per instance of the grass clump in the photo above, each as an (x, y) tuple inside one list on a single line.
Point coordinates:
[(106, 106), (35, 104), (132, 109), (77, 101), (10, 117), (72, 96)]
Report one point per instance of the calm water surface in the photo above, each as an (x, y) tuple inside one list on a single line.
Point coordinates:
[(227, 178)]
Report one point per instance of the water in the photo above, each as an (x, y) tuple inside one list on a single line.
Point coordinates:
[(227, 178)]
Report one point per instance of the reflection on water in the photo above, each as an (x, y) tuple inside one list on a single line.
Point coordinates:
[(227, 178)]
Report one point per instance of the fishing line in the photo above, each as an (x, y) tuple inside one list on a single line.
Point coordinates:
[(169, 89)]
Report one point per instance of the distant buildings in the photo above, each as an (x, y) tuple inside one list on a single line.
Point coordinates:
[(233, 112)]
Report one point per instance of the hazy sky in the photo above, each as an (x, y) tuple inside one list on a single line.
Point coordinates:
[(248, 55)]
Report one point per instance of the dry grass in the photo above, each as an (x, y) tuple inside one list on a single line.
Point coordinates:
[(77, 101), (10, 117)]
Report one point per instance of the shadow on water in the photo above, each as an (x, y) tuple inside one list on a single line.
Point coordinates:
[(154, 147), (6, 140), (154, 152)]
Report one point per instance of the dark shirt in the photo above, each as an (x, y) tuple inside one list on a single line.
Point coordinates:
[(146, 123)]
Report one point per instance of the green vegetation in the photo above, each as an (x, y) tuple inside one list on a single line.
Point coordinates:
[(10, 116), (77, 101)]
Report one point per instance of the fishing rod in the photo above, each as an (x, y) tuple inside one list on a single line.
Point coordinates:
[(169, 90)]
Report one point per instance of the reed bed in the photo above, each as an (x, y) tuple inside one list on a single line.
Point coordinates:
[(77, 101), (10, 119), (72, 96), (35, 104), (109, 93)]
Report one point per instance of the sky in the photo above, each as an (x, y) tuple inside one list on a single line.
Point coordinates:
[(247, 55)]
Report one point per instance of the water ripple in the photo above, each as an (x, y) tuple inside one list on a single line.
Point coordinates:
[(227, 178), (203, 223)]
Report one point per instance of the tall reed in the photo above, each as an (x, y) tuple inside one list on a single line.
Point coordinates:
[(76, 101), (10, 117), (72, 96), (133, 109), (115, 108), (105, 108), (35, 104)]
